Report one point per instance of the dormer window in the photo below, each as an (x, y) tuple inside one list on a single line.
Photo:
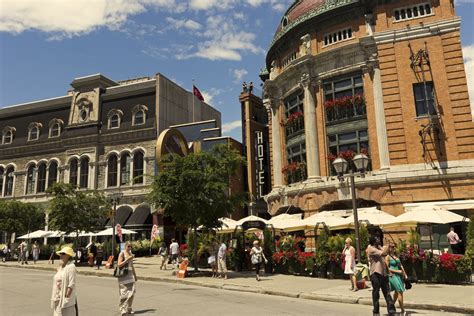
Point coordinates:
[(139, 115), (7, 135), (34, 131), (284, 22), (114, 119), (55, 127)]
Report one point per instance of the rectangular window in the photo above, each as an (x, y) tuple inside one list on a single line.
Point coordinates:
[(412, 12), (340, 35), (356, 141), (424, 98)]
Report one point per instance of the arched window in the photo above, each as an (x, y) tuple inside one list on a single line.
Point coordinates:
[(125, 161), (52, 173), (114, 121), (138, 168), (112, 171), (139, 118), (34, 131), (139, 114), (84, 176), (73, 169), (114, 118), (7, 135), (2, 179), (9, 179), (41, 185), (31, 179), (54, 128)]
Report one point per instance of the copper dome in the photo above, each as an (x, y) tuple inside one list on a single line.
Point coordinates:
[(298, 9)]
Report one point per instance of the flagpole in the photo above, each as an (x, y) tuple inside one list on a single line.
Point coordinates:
[(193, 100)]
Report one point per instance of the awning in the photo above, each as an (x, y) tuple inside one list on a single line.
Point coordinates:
[(123, 213), (141, 218)]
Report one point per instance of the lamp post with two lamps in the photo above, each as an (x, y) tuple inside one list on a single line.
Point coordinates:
[(361, 162), (115, 199)]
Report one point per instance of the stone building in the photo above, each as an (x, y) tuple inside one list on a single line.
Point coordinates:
[(385, 78), (100, 136)]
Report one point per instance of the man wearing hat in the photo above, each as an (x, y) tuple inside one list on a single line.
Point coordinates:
[(63, 299)]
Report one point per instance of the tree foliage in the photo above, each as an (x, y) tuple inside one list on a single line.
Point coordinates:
[(194, 190), (72, 210), (18, 217)]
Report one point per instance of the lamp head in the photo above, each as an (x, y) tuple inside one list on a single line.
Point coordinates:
[(361, 162), (340, 165)]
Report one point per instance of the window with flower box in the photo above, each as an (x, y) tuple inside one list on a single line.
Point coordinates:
[(347, 144), (295, 170), (294, 115), (344, 99)]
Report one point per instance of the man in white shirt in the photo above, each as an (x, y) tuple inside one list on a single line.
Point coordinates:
[(174, 251), (454, 241), (221, 260)]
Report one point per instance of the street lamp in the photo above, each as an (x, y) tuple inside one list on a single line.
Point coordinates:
[(361, 162), (115, 198)]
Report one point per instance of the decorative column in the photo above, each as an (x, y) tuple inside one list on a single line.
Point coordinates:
[(380, 125), (276, 141), (311, 131)]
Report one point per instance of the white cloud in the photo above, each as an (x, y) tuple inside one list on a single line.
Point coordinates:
[(230, 126), (180, 24), (211, 4), (239, 74), (73, 18), (468, 53), (210, 95)]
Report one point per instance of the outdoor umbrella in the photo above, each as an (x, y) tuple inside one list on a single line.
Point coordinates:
[(427, 215), (371, 216), (285, 221), (109, 232), (330, 219), (251, 218), (36, 234)]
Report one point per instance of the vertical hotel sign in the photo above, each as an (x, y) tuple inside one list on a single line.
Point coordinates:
[(260, 166)]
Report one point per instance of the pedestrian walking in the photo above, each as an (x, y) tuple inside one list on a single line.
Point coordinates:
[(6, 252), (36, 251), (163, 253), (99, 256), (379, 276), (221, 261), (257, 257), (454, 241), (63, 299), (127, 280), (92, 254), (397, 275), (23, 249), (174, 251), (212, 260), (349, 263)]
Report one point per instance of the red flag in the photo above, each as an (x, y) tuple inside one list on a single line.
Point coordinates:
[(197, 93)]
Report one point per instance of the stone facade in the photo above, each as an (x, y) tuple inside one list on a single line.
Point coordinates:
[(388, 80), (97, 120)]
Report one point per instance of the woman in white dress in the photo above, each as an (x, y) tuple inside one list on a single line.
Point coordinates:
[(63, 299), (127, 281), (350, 265)]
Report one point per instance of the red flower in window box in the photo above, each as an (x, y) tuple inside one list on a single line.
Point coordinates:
[(329, 104), (331, 157), (347, 154)]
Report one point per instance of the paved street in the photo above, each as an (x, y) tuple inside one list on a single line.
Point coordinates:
[(27, 292)]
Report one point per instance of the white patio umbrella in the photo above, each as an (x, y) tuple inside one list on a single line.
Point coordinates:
[(285, 221), (81, 234), (251, 218), (427, 215), (109, 232), (36, 234), (330, 219), (371, 216)]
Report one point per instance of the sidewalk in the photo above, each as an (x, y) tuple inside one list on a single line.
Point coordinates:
[(439, 297)]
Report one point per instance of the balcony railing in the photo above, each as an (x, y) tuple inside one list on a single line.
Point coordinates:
[(295, 172), (294, 127)]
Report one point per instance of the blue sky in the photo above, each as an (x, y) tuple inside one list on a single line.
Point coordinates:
[(44, 44)]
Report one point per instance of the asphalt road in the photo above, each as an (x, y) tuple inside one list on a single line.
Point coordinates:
[(28, 292)]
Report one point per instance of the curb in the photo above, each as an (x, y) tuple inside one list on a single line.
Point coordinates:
[(258, 290)]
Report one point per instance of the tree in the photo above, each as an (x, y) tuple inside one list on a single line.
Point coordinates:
[(72, 210), (194, 190), (19, 217)]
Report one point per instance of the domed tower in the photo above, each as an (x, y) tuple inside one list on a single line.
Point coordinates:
[(381, 78)]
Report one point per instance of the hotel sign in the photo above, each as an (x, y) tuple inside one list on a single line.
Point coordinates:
[(261, 164)]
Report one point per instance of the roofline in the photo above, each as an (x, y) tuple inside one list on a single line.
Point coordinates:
[(56, 102), (193, 123)]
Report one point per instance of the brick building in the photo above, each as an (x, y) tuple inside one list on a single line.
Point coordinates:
[(384, 78), (102, 135)]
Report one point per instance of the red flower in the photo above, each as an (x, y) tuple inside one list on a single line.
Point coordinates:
[(278, 256), (331, 157), (347, 154), (449, 261), (329, 104)]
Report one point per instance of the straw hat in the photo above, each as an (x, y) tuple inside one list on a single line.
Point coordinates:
[(66, 250)]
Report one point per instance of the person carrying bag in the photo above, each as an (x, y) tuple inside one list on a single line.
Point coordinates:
[(257, 256)]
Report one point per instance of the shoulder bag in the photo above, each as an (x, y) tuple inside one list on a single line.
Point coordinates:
[(120, 272)]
